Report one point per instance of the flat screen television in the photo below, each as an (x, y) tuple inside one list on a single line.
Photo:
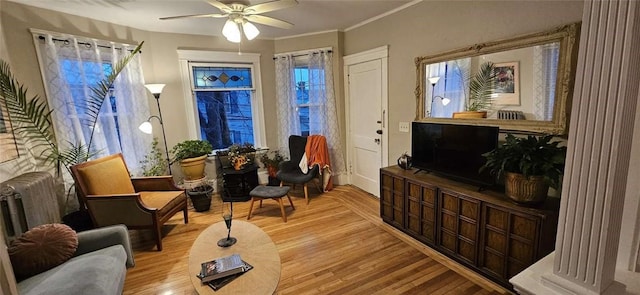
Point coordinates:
[(455, 151)]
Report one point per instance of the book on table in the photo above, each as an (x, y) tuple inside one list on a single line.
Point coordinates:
[(221, 282), (221, 267)]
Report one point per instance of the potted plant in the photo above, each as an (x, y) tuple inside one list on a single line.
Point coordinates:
[(481, 87), (192, 155), (154, 163), (237, 155), (272, 163), (529, 166), (201, 197)]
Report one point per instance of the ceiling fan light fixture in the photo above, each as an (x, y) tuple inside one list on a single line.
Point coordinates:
[(250, 30), (231, 31)]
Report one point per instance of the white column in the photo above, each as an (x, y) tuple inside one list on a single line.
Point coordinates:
[(600, 134)]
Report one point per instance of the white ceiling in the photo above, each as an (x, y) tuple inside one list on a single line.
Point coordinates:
[(309, 16)]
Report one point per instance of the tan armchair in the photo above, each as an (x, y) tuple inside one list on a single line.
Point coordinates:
[(112, 197)]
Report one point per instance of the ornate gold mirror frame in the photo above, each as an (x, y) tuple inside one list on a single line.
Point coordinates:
[(566, 36)]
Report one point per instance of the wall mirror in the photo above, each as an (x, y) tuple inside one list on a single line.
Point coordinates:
[(531, 92)]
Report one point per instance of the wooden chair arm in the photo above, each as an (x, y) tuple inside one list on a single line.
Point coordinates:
[(154, 183)]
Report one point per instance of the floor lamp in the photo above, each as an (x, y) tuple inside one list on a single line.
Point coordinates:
[(147, 128), (445, 101)]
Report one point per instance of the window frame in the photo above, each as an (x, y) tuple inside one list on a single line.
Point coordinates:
[(227, 59), (302, 61)]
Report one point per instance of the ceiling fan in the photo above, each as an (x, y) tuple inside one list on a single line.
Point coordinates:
[(241, 15)]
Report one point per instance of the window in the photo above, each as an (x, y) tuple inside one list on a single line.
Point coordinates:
[(226, 97), (304, 85), (82, 74), (302, 98), (70, 67)]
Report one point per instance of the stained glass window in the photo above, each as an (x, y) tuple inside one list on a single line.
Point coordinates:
[(221, 77), (223, 97)]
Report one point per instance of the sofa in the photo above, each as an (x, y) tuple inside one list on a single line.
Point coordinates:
[(98, 266)]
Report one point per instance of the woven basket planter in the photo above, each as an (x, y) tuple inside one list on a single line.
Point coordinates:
[(523, 190)]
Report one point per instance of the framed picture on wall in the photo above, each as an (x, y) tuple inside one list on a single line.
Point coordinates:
[(8, 147), (507, 88)]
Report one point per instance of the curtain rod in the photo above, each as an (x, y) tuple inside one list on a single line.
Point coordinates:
[(302, 52), (66, 42)]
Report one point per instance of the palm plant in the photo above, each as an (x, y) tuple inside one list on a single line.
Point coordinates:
[(33, 123), (481, 88)]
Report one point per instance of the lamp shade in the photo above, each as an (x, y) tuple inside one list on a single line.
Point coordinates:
[(250, 30), (445, 101), (146, 127), (231, 31), (155, 88), (434, 80)]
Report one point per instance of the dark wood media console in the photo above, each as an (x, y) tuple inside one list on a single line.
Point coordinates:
[(484, 231)]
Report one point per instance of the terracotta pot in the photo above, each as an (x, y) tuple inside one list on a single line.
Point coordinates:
[(272, 171), (531, 190), (193, 168), (469, 115)]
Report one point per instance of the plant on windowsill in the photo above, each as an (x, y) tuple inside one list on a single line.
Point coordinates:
[(192, 155), (481, 87), (241, 155), (529, 166), (272, 164)]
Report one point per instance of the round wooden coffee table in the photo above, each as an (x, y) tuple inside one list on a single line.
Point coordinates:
[(254, 246)]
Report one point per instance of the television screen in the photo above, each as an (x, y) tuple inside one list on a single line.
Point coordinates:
[(453, 150)]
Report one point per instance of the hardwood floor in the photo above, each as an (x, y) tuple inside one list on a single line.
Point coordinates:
[(335, 245)]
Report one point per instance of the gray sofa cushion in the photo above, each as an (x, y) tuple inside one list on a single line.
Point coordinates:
[(99, 272)]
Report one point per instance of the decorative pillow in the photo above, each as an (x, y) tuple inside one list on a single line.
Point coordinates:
[(42, 248)]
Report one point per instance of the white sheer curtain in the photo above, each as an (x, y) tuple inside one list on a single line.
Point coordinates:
[(545, 62), (70, 66), (288, 120), (323, 116), (453, 77)]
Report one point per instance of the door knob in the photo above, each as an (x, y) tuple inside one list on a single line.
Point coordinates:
[(379, 131)]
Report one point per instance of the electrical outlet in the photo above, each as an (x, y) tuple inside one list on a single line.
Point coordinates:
[(404, 126)]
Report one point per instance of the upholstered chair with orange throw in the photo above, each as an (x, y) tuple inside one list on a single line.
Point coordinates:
[(290, 172), (112, 197)]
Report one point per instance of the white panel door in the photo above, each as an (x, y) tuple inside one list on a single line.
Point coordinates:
[(365, 117)]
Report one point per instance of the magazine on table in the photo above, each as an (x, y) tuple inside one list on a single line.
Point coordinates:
[(221, 267)]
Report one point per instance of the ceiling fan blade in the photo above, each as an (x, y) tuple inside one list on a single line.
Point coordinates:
[(219, 5), (269, 6), (269, 21), (194, 15)]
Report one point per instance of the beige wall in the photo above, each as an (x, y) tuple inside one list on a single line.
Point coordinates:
[(432, 27)]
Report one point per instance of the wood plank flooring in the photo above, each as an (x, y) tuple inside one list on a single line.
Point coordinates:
[(335, 245)]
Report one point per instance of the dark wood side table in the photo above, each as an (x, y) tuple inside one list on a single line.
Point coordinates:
[(238, 183)]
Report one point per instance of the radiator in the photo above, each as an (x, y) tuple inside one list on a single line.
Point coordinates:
[(27, 201), (510, 115)]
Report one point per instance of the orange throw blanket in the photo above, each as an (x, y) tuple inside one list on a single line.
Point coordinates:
[(317, 153)]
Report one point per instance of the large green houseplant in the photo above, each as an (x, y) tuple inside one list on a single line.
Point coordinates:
[(529, 165), (192, 154), (481, 86)]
